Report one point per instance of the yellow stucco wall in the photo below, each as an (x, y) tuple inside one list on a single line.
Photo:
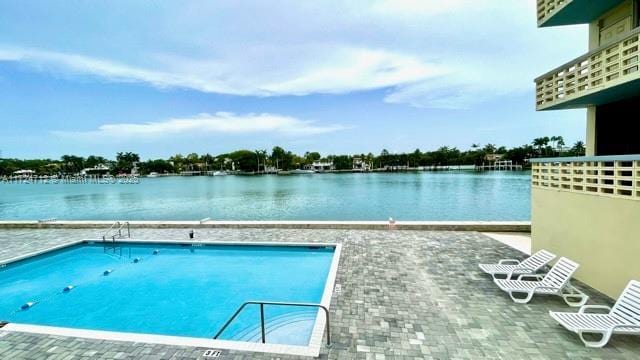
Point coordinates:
[(602, 234), (591, 131), (609, 23)]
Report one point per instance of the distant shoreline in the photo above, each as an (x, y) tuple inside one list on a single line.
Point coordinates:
[(348, 171)]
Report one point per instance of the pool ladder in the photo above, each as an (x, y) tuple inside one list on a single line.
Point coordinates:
[(116, 231), (262, 325)]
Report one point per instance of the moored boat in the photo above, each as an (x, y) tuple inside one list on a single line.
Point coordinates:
[(302, 171)]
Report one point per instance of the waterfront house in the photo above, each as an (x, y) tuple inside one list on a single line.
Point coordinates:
[(587, 208), (360, 164), (493, 157), (321, 166)]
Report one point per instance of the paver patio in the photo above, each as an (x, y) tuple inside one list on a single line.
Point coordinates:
[(404, 295)]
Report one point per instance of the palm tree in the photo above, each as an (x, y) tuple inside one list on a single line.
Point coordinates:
[(177, 161), (540, 143), (261, 154), (489, 149), (559, 144), (208, 160), (578, 149)]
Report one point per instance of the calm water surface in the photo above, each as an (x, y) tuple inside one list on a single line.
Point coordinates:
[(454, 195)]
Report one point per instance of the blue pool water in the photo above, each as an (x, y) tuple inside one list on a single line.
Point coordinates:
[(182, 291), (451, 195)]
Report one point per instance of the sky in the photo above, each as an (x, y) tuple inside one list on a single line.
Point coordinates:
[(160, 78)]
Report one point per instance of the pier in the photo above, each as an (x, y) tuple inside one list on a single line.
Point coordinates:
[(500, 165)]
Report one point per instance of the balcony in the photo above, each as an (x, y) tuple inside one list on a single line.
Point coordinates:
[(615, 176), (608, 73), (571, 12)]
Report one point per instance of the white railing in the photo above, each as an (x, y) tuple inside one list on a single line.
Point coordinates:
[(547, 8), (601, 68), (612, 176)]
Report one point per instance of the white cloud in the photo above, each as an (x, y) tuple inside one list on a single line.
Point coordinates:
[(451, 54), (346, 70), (109, 70), (422, 7), (340, 70), (204, 124)]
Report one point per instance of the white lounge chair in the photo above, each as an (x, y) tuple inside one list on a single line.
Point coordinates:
[(510, 267), (623, 318), (555, 282)]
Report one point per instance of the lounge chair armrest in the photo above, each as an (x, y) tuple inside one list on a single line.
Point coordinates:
[(504, 261), (537, 277), (584, 308)]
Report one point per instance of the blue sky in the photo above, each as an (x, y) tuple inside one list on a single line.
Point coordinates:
[(160, 78)]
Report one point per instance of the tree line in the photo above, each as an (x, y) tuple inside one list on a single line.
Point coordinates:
[(279, 158)]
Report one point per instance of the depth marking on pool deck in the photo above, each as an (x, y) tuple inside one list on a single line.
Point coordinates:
[(211, 353)]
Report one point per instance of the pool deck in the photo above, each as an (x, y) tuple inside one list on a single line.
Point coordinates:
[(404, 295)]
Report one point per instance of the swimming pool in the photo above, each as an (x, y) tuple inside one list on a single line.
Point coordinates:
[(172, 289)]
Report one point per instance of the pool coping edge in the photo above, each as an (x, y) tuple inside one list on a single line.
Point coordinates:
[(482, 226)]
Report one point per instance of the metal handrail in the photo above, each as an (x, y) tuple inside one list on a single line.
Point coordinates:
[(262, 304), (126, 223), (104, 237), (118, 230)]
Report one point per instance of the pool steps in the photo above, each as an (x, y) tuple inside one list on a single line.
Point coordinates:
[(245, 334), (263, 325), (252, 333)]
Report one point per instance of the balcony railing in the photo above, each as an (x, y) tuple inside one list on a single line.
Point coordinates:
[(577, 83), (571, 12), (546, 8), (611, 176)]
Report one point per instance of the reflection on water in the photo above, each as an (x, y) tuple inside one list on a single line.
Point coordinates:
[(79, 198), (455, 195)]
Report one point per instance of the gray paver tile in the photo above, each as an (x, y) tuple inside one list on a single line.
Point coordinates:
[(405, 295)]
